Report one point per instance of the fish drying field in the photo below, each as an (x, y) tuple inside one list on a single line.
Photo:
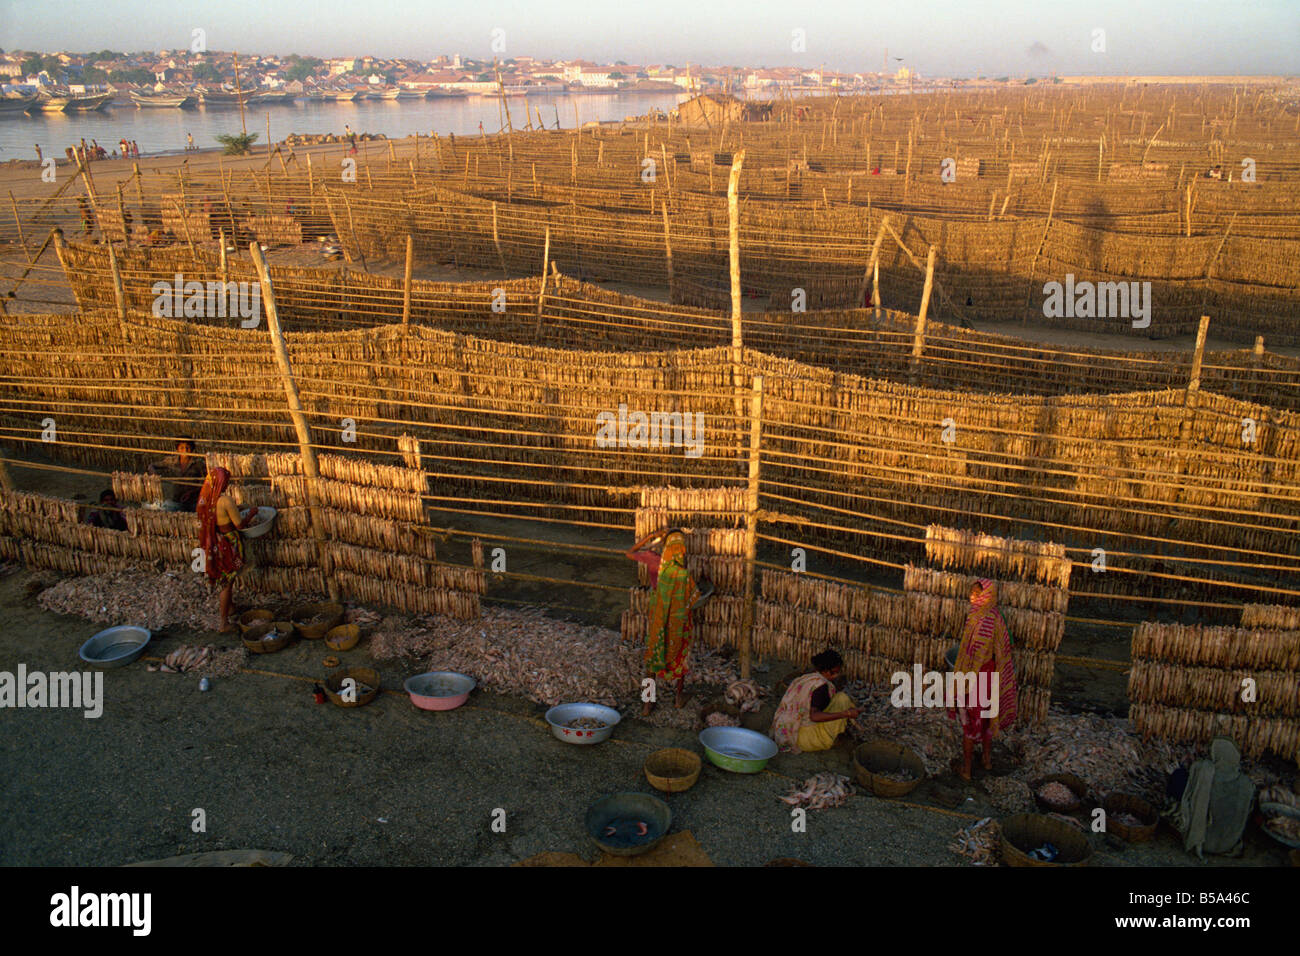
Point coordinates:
[(864, 351)]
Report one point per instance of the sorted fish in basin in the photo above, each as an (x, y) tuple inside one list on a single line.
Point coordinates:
[(587, 723)]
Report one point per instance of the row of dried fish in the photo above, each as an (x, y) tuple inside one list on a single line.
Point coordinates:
[(1272, 617), (1254, 735), (64, 560), (1030, 560), (717, 500), (298, 581), (719, 610), (799, 590), (946, 616), (406, 597), (1275, 693), (634, 627), (1014, 594), (383, 502), (361, 472), (42, 506), (132, 487), (1217, 646)]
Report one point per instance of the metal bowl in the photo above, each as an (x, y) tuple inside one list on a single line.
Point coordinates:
[(1275, 810), (562, 716), (267, 514), (737, 749), (624, 811), (116, 646), (439, 690)]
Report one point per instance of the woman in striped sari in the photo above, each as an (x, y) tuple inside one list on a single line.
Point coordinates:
[(985, 650), (668, 638)]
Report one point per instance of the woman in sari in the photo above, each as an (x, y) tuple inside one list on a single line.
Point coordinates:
[(223, 548), (812, 714), (675, 595), (985, 650)]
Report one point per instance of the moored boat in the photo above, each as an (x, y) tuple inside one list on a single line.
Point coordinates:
[(161, 100), (18, 102), (89, 102)]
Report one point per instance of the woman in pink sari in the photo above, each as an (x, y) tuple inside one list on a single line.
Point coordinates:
[(223, 548), (985, 650)]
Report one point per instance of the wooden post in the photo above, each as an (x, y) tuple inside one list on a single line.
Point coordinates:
[(139, 190), (121, 211), (875, 288), (22, 241), (1194, 382), (496, 240), (406, 281), (541, 293), (668, 250), (751, 522), (1259, 350), (733, 229), (1029, 293), (225, 272), (918, 336), (873, 261), (119, 293), (268, 137), (300, 426)]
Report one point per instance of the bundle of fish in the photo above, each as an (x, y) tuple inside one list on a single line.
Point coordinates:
[(721, 719), (1217, 646), (979, 842), (745, 694), (1042, 561), (820, 791), (132, 487), (202, 658), (361, 616), (1008, 794), (1274, 617)]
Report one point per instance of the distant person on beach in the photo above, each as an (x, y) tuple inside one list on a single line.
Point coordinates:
[(189, 140), (352, 138), (39, 157), (108, 514), (87, 218), (72, 157), (187, 471), (122, 143)]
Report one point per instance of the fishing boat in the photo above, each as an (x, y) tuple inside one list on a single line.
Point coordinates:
[(85, 103), (161, 100), (18, 102), (436, 94), (342, 96), (219, 98), (402, 94), (271, 98)]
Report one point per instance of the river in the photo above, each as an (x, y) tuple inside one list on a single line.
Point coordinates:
[(163, 130)]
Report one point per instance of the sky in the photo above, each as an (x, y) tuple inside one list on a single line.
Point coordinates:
[(953, 38)]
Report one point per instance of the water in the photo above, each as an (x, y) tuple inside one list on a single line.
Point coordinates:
[(163, 130)]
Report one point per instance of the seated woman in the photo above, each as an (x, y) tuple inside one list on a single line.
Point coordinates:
[(1214, 807), (809, 717), (223, 548), (108, 514), (985, 649)]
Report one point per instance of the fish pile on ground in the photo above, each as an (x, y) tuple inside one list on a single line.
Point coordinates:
[(820, 791), (146, 599), (979, 842), (721, 719), (745, 694), (1104, 751), (1008, 794), (205, 659), (926, 730), (666, 715), (361, 616), (707, 666)]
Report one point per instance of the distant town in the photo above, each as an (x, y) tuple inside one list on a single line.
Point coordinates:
[(305, 75)]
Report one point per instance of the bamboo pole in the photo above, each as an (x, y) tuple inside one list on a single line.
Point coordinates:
[(1029, 292), (406, 280), (668, 249), (751, 522), (225, 272), (873, 262), (119, 294), (541, 293), (496, 240), (309, 467), (22, 241), (875, 288), (121, 211), (918, 335), (733, 220), (1194, 381), (55, 236)]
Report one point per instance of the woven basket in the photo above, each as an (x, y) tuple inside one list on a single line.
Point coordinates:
[(1076, 785), (253, 637), (1127, 803), (1028, 831), (362, 675), (672, 770), (343, 638), (877, 756), (249, 618), (314, 632)]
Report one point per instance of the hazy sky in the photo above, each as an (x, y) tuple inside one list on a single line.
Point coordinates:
[(932, 36)]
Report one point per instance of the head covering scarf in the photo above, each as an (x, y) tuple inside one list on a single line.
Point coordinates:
[(668, 643), (986, 645), (795, 711), (214, 544)]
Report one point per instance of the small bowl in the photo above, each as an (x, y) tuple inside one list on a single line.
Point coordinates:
[(333, 614), (672, 770), (562, 716), (362, 675), (342, 638), (115, 647), (1279, 810), (253, 637), (266, 517), (256, 616), (624, 810), (439, 690), (737, 749)]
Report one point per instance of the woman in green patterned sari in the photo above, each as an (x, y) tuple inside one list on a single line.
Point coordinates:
[(668, 638)]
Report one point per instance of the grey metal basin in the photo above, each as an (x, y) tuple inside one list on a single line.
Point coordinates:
[(562, 716), (115, 646), (627, 814)]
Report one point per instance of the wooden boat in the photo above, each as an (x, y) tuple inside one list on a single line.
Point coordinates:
[(220, 98), (271, 98), (50, 103), (90, 101), (18, 102), (161, 100), (342, 96), (402, 94)]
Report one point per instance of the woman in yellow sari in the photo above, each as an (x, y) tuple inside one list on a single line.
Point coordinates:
[(668, 638)]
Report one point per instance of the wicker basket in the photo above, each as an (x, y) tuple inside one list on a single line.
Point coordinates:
[(343, 638), (314, 632), (1028, 831), (1076, 785), (877, 756), (672, 770), (253, 637), (1127, 803), (249, 618), (362, 675)]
